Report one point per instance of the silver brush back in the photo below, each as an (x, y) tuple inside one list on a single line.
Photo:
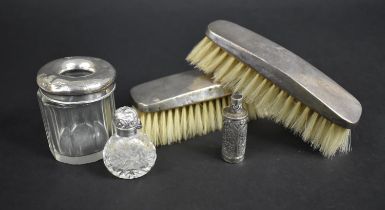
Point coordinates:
[(287, 70), (177, 90)]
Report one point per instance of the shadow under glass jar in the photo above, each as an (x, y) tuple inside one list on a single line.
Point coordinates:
[(77, 103)]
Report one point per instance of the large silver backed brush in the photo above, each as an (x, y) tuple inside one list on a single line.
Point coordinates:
[(278, 84), (179, 106)]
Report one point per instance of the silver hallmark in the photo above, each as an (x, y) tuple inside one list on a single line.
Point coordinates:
[(234, 137)]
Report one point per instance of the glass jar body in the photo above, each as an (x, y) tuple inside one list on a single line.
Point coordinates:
[(77, 132)]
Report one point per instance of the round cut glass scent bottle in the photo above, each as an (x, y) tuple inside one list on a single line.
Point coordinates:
[(129, 153), (76, 98)]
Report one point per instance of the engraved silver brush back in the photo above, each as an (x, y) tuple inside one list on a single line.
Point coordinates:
[(290, 72)]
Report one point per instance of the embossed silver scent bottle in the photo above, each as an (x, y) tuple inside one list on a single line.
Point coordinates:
[(129, 153), (76, 98), (234, 130)]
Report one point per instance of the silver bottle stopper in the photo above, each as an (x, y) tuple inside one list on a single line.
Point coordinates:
[(126, 121), (234, 130), (76, 98)]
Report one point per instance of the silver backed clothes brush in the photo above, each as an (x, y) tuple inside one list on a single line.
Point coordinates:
[(179, 106), (279, 85)]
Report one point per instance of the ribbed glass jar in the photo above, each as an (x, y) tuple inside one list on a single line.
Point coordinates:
[(77, 103)]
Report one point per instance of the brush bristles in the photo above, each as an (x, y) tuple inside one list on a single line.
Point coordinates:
[(174, 125), (266, 100)]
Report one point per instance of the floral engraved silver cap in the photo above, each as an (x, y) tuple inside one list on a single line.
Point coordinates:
[(126, 118)]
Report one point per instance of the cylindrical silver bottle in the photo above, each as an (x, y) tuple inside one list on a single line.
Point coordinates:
[(77, 103), (234, 130)]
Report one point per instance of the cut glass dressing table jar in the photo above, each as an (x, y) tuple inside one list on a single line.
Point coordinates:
[(77, 102)]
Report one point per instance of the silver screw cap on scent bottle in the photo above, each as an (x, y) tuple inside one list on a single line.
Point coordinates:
[(234, 130), (126, 121)]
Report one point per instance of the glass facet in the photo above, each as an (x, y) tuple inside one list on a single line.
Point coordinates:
[(129, 157)]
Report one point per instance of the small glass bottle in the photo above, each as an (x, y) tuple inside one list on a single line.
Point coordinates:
[(234, 130), (129, 153)]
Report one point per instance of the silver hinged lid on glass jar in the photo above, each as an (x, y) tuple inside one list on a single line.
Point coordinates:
[(77, 103)]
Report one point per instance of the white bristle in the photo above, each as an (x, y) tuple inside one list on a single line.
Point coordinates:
[(163, 128), (264, 99), (170, 127), (183, 123), (175, 125)]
